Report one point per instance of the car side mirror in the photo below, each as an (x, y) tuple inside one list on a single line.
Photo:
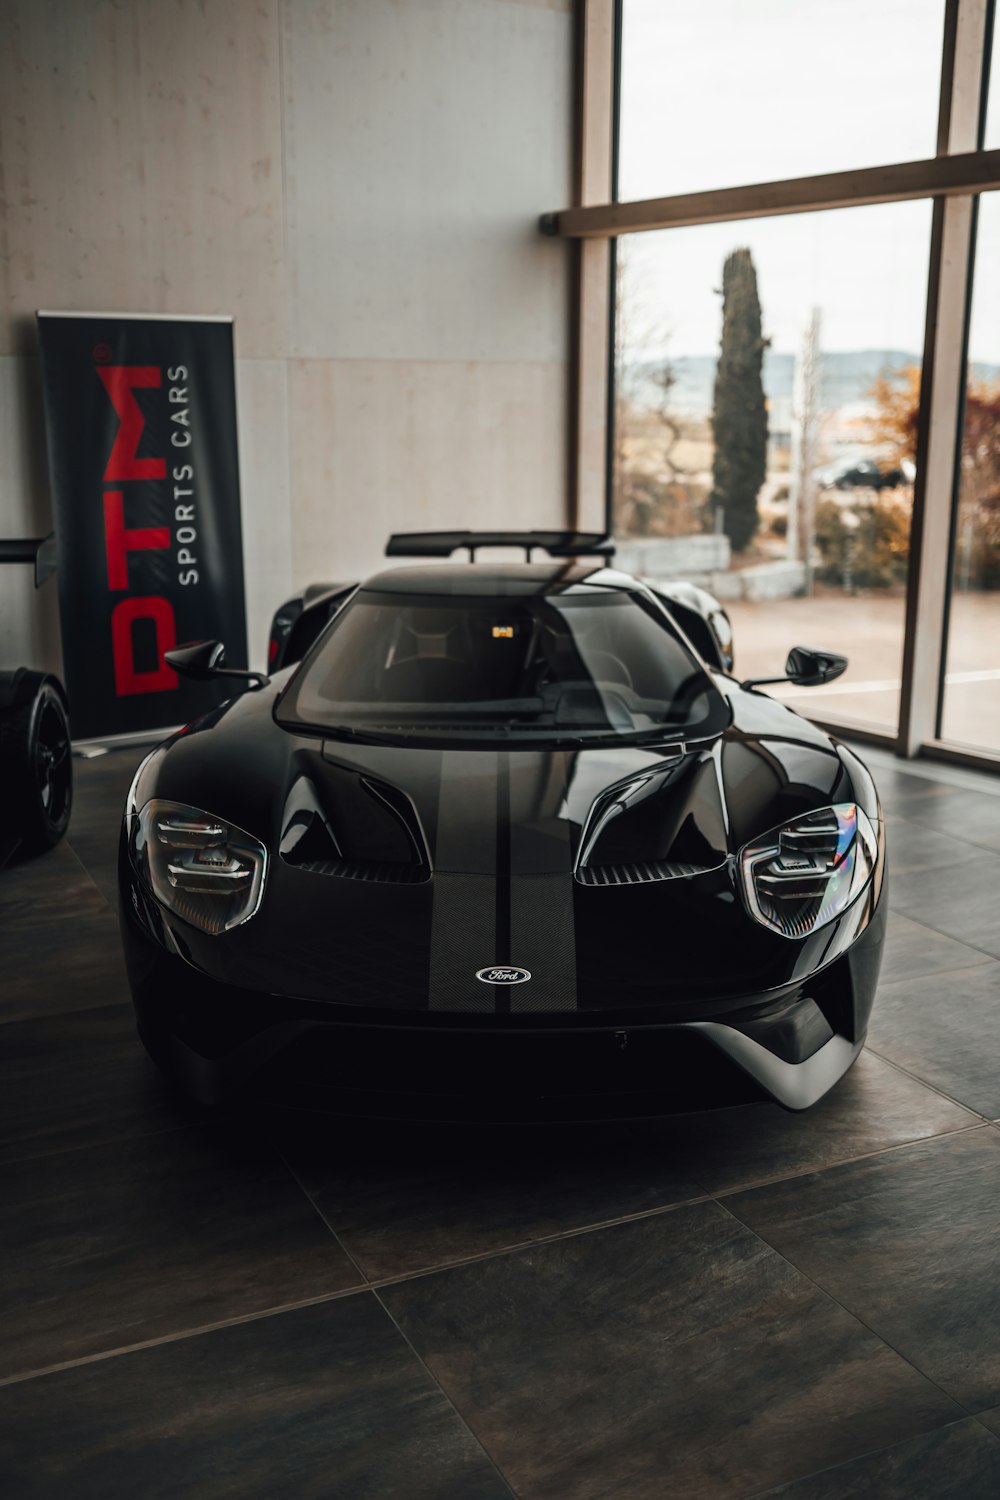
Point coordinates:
[(806, 667), (203, 660), (809, 668), (198, 659)]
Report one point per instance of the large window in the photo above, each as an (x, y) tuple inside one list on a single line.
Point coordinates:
[(806, 404), (992, 137), (823, 557), (971, 687), (725, 92)]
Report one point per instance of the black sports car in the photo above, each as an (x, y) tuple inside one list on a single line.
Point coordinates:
[(36, 769), (505, 837)]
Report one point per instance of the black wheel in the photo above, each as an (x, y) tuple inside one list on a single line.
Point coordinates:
[(35, 759)]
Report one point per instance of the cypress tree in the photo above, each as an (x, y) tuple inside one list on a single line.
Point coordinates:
[(739, 418)]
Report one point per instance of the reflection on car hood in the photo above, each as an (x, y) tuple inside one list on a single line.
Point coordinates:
[(534, 811), (398, 872)]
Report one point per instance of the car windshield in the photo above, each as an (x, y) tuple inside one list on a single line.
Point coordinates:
[(552, 668)]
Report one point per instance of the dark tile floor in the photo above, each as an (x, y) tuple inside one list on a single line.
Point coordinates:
[(730, 1304)]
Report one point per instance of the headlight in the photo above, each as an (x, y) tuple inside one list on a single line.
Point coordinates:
[(805, 874), (199, 867)]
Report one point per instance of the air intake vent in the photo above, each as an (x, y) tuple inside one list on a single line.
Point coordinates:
[(639, 873), (377, 871), (382, 820)]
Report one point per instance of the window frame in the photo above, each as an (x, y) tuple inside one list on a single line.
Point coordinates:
[(953, 179)]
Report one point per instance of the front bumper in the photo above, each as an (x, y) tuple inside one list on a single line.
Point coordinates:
[(796, 1085), (217, 1041)]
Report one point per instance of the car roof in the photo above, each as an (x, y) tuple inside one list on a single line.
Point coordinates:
[(504, 580)]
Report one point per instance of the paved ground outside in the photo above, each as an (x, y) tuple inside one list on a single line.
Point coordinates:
[(868, 628)]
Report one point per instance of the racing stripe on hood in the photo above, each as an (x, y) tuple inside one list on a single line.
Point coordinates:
[(542, 924), (543, 940), (502, 934), (463, 914), (511, 917)]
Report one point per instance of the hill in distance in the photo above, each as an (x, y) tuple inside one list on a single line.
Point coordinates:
[(847, 376)]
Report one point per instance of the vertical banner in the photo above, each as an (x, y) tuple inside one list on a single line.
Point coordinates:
[(141, 421)]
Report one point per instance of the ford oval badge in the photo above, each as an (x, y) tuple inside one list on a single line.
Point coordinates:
[(503, 974)]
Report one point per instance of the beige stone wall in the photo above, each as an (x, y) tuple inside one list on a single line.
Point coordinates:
[(357, 182)]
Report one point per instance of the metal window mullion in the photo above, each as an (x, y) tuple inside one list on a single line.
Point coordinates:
[(930, 546), (590, 416), (943, 384), (900, 182), (588, 383)]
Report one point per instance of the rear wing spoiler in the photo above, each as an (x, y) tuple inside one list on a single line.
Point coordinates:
[(555, 543), (38, 550)]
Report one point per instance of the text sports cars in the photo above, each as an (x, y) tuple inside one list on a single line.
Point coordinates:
[(504, 836)]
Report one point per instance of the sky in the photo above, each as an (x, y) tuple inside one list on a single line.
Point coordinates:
[(724, 92)]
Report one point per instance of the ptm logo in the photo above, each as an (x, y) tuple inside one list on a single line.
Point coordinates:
[(120, 540)]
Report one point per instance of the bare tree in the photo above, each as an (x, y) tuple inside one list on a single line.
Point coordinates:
[(647, 497)]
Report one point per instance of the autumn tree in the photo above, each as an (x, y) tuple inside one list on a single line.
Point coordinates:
[(979, 488), (897, 412), (896, 397), (896, 418), (739, 418)]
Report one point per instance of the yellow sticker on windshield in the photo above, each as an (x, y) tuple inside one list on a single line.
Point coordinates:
[(503, 632)]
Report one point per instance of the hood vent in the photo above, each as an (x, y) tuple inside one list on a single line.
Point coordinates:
[(639, 873), (380, 872), (664, 824), (388, 826)]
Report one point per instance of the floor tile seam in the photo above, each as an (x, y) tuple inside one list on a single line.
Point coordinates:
[(101, 1145), (179, 1335), (940, 773), (884, 755), (956, 838), (862, 1322), (858, 1458), (22, 913), (923, 922), (112, 1140), (846, 1161), (447, 1397), (989, 787), (934, 1088), (76, 855), (54, 1015), (366, 1281), (518, 1246), (964, 848), (706, 1196)]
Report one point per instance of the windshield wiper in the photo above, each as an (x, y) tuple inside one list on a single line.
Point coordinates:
[(360, 736), (530, 735)]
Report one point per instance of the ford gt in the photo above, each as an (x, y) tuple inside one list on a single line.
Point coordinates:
[(503, 837)]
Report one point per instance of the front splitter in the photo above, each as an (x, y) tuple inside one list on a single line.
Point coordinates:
[(795, 1085)]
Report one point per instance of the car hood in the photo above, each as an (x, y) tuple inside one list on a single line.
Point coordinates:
[(399, 872), (529, 812)]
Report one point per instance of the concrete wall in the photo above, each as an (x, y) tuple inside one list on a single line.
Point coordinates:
[(358, 183)]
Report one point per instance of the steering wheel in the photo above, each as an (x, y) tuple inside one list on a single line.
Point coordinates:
[(687, 692)]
